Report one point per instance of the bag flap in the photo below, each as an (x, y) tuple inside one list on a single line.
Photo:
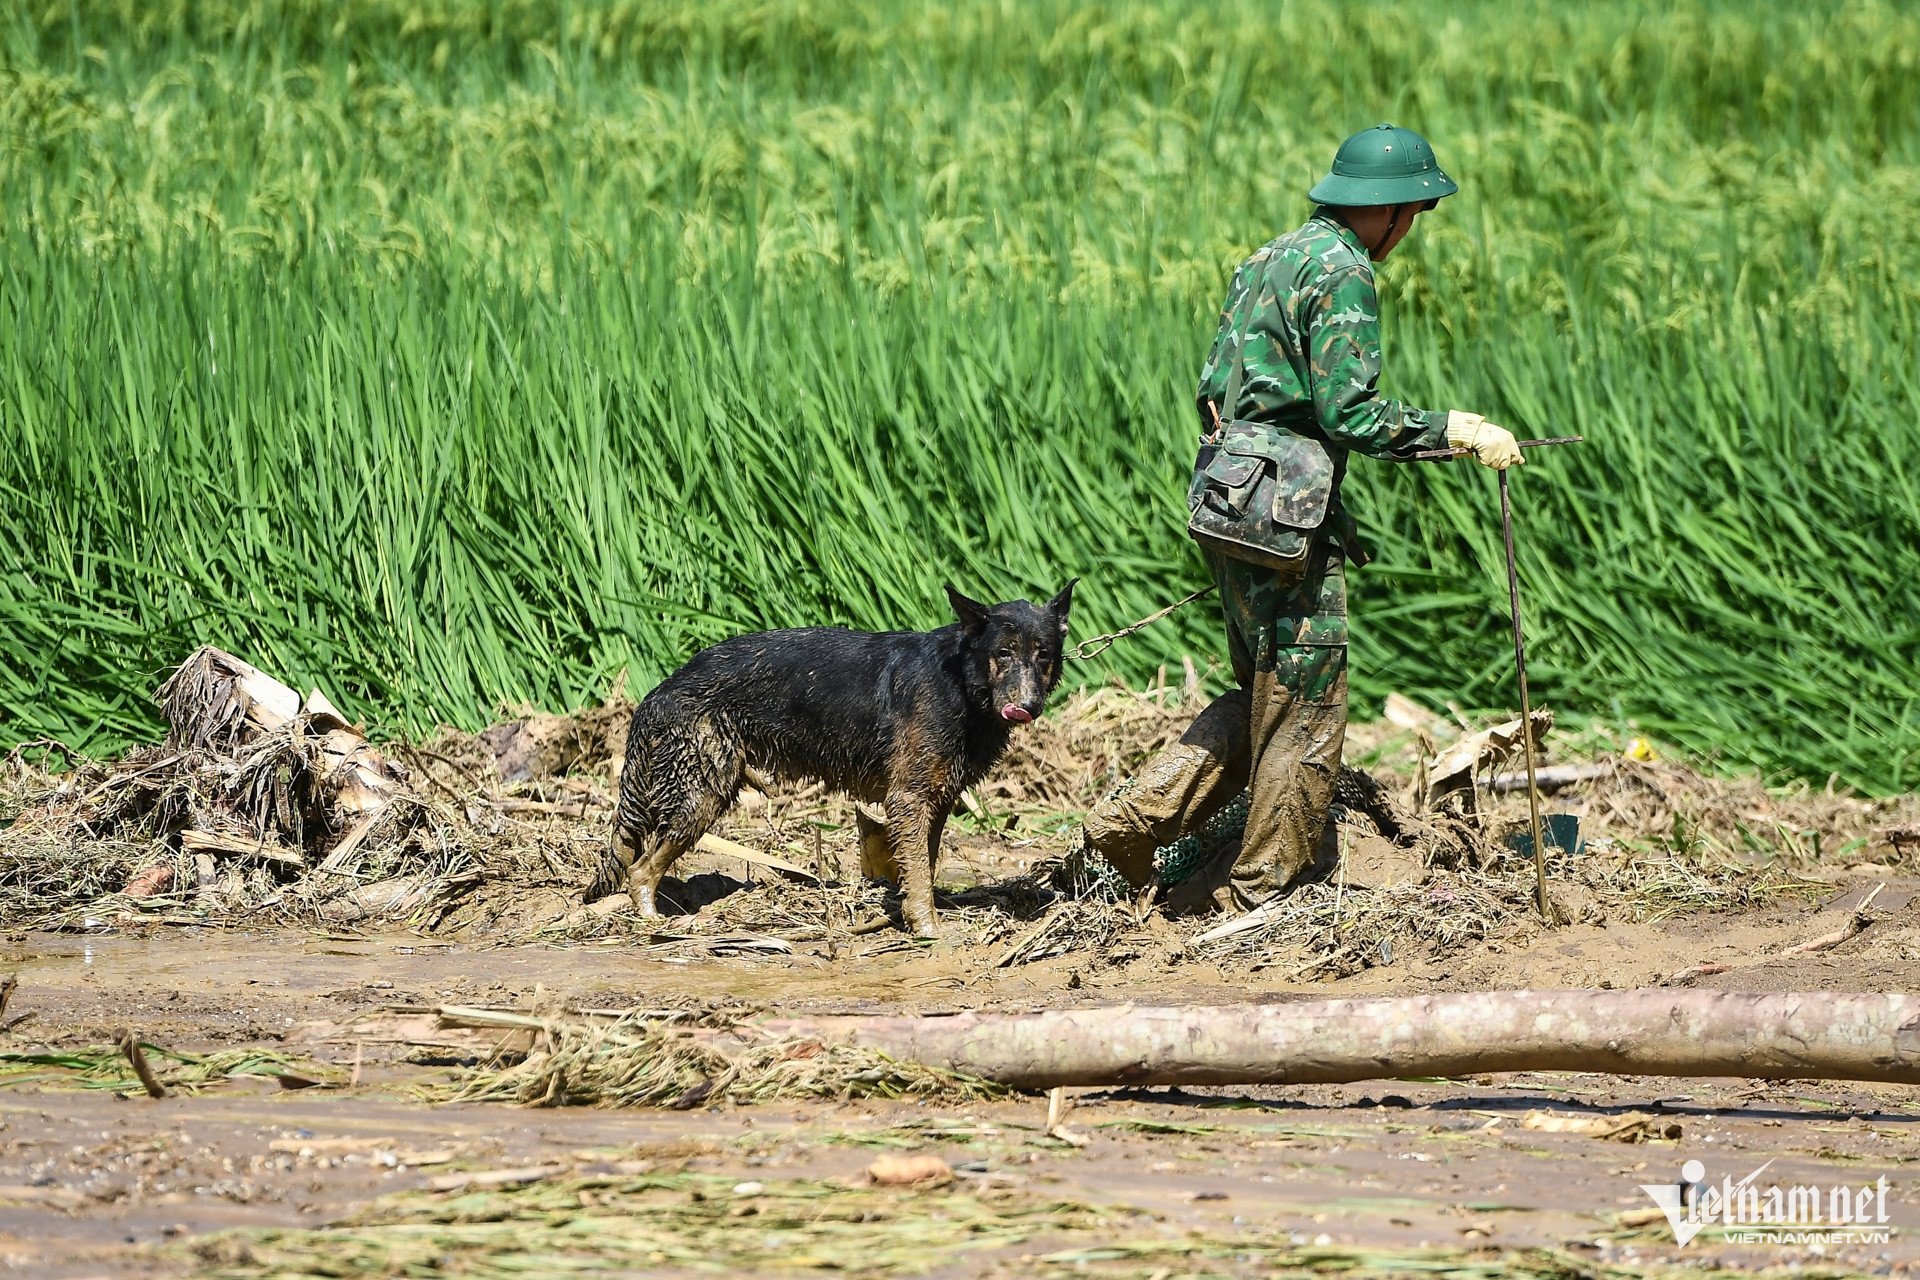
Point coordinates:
[(1233, 470), (1303, 480)]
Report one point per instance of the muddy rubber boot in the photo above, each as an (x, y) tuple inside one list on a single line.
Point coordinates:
[(1326, 855), (1176, 791), (1297, 742), (1199, 893)]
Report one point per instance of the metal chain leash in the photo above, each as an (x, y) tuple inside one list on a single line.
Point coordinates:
[(1100, 644)]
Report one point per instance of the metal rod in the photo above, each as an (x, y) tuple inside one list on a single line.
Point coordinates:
[(1444, 455), (1526, 704)]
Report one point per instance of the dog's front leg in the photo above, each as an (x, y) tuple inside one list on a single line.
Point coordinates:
[(936, 828), (643, 882), (910, 821)]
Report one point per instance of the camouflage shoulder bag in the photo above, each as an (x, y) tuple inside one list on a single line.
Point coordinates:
[(1259, 492)]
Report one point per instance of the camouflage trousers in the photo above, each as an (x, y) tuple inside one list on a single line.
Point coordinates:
[(1278, 736)]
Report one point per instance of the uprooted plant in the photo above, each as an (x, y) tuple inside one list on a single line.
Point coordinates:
[(257, 798)]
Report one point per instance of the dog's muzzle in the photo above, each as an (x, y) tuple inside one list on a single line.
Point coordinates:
[(1014, 713)]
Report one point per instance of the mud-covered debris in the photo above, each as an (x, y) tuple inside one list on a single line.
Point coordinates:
[(242, 827), (258, 802), (1460, 765), (1627, 1126), (909, 1171), (549, 746)]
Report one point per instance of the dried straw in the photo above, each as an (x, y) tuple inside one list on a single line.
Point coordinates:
[(617, 1220), (470, 852), (640, 1062)]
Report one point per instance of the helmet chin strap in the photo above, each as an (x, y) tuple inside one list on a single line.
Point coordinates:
[(1393, 224)]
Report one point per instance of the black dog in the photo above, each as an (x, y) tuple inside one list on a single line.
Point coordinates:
[(908, 719)]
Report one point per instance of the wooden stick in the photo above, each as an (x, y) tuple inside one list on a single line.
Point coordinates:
[(1241, 923), (1340, 892), (733, 849), (1057, 1119), (492, 1179), (216, 844), (1826, 941), (1526, 707), (130, 1046), (1656, 1032), (564, 809), (1027, 939)]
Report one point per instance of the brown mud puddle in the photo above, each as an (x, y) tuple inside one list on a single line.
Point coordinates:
[(1218, 1181)]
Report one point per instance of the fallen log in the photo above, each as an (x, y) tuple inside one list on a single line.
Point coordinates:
[(1656, 1032)]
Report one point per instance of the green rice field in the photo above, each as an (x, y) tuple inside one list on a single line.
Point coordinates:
[(459, 355)]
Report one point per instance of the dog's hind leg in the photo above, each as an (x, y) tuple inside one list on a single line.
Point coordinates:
[(876, 847), (693, 776)]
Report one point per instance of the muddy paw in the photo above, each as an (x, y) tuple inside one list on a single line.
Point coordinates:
[(642, 897), (924, 926)]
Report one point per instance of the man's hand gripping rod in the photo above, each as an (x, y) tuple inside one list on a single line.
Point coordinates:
[(1519, 662), (1448, 455)]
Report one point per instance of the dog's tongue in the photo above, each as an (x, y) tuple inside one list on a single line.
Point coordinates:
[(1015, 714)]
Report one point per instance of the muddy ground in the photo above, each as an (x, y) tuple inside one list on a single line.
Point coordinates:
[(359, 1170), (1215, 1181)]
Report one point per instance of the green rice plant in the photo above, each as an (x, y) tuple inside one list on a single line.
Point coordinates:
[(455, 356)]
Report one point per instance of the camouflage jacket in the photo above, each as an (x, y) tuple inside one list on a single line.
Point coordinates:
[(1313, 349)]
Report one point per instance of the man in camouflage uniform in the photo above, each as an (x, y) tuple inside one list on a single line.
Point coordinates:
[(1312, 363)]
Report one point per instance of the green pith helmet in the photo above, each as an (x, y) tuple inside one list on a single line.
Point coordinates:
[(1383, 165)]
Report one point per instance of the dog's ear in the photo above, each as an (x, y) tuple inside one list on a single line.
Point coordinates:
[(1059, 605), (972, 614)]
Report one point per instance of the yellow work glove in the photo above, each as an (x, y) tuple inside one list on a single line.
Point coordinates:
[(1493, 446)]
